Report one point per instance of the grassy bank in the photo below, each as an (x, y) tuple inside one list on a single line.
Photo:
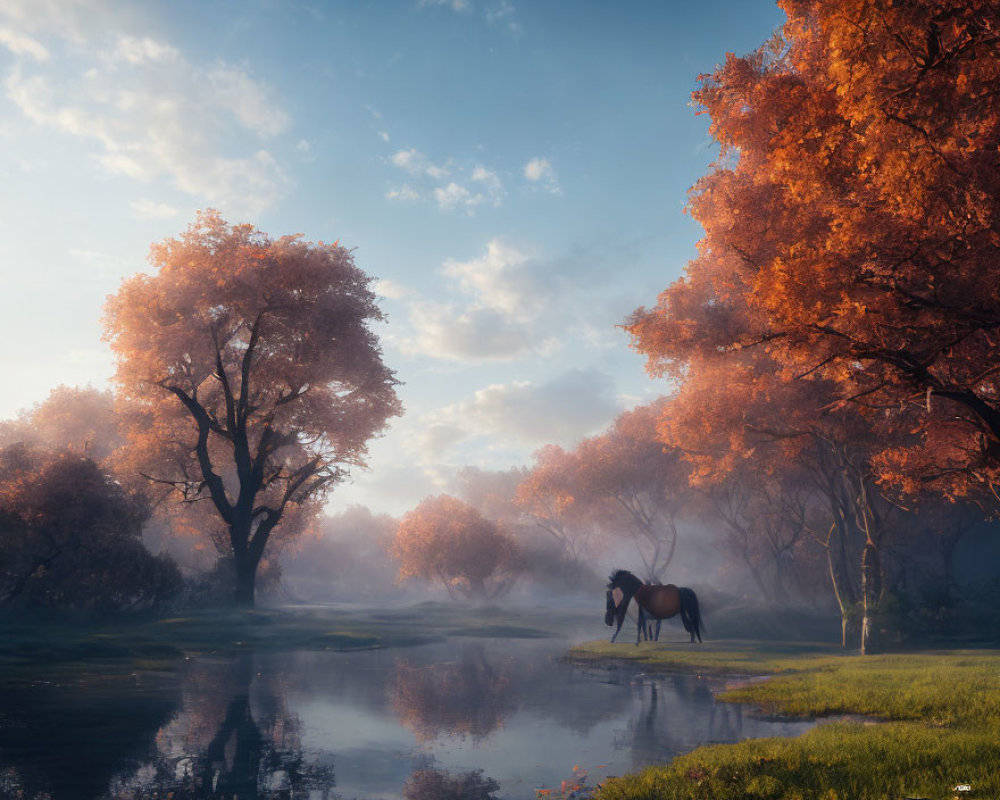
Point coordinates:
[(31, 643), (932, 721)]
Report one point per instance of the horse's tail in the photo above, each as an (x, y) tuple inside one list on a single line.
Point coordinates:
[(690, 612)]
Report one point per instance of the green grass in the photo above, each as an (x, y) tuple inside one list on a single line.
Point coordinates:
[(932, 720), (731, 656)]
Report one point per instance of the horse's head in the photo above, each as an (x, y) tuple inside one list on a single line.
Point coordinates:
[(624, 581), (614, 610)]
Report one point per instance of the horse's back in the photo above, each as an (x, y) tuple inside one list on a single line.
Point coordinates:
[(660, 602)]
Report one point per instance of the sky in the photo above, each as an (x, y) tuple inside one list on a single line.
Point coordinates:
[(512, 174)]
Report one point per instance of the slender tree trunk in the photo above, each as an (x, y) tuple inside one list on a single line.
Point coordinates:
[(871, 588), (843, 588)]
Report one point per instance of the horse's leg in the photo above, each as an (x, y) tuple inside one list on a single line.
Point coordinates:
[(621, 617), (642, 623), (658, 623)]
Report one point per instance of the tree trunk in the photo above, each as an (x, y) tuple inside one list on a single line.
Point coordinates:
[(871, 588), (245, 568), (843, 589), (477, 590), (246, 577)]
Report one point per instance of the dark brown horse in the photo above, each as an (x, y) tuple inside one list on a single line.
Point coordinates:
[(654, 601)]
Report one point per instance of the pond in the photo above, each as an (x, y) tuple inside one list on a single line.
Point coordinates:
[(358, 725)]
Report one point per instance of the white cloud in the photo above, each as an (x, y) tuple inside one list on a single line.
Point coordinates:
[(436, 172), (488, 190), (504, 13), (435, 439), (505, 278), (453, 333), (139, 50), (504, 294), (489, 179), (416, 163), (405, 193), (248, 101), (539, 171), (453, 195), (454, 5), (149, 209), (405, 159), (150, 112), (467, 192), (73, 20), (509, 301), (562, 411), (383, 135), (390, 289), (20, 44)]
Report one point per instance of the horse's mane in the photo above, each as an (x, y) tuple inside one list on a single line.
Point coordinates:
[(623, 576)]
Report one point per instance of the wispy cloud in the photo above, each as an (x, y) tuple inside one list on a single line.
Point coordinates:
[(20, 44), (451, 186), (416, 163), (511, 301), (204, 129), (572, 405), (150, 209), (406, 193), (454, 5), (539, 172), (502, 13)]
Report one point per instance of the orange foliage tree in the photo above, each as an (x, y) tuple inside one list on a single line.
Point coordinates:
[(850, 221), (778, 464), (450, 542), (546, 496), (79, 419), (624, 480), (70, 536), (850, 238), (248, 376)]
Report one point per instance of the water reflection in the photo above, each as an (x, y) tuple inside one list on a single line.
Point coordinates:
[(235, 738), (676, 714), (463, 719), (68, 740), (472, 694), (437, 784)]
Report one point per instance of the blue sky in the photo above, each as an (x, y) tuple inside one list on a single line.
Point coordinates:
[(513, 173)]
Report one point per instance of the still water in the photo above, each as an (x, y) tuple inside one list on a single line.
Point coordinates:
[(372, 724)]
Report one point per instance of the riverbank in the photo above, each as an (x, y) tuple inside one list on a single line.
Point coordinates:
[(931, 722)]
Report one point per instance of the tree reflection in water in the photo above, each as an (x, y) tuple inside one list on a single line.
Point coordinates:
[(471, 696), (437, 784), (66, 741), (678, 713), (235, 739)]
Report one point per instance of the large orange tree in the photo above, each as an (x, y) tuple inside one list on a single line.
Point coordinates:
[(248, 375), (624, 481), (447, 541), (851, 221)]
